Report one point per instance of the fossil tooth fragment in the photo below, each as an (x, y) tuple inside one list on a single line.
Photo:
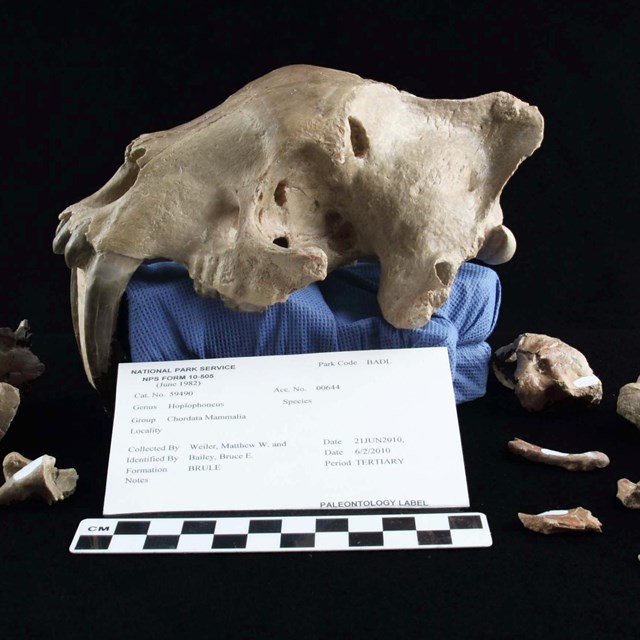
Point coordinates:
[(9, 403), (39, 478), (628, 405), (629, 493), (559, 521), (572, 461), (300, 172), (544, 371)]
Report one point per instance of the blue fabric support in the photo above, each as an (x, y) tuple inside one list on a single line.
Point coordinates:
[(167, 320)]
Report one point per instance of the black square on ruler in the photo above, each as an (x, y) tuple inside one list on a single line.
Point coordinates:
[(265, 526), (324, 525), (290, 540), (161, 542), (434, 537), (131, 527), (399, 524), (465, 522), (366, 539), (198, 526), (93, 542), (229, 541)]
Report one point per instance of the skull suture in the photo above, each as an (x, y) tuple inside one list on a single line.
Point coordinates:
[(299, 172)]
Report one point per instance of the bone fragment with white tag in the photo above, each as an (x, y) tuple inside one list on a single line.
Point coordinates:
[(545, 371), (628, 405), (586, 461), (561, 520), (299, 172), (38, 479)]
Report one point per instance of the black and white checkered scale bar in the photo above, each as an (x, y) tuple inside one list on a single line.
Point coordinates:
[(284, 533)]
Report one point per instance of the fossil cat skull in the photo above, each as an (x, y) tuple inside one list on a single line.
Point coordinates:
[(299, 172)]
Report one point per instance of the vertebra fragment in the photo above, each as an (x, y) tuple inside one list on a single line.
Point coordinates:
[(544, 371), (39, 478)]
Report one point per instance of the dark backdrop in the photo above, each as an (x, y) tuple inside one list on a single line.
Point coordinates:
[(79, 80)]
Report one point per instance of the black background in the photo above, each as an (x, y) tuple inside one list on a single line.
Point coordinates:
[(80, 80)]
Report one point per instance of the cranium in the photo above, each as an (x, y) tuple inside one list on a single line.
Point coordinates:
[(299, 172)]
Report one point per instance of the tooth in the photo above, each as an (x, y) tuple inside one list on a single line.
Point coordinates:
[(96, 291), (77, 250)]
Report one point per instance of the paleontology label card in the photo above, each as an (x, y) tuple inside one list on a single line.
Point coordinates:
[(347, 430)]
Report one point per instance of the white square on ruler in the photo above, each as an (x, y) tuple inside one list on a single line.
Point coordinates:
[(165, 527), (263, 542), (469, 537), (365, 523), (400, 539), (332, 540), (195, 542), (432, 521), (126, 543), (301, 524), (232, 525)]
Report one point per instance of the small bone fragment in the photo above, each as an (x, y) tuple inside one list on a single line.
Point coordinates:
[(17, 364), (39, 478), (9, 403), (629, 493), (628, 405), (572, 461), (558, 521), (544, 371)]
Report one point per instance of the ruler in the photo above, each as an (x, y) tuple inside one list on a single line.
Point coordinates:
[(315, 532)]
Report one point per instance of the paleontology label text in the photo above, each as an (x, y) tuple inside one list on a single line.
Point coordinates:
[(362, 429)]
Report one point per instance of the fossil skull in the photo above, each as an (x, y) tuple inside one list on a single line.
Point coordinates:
[(299, 172)]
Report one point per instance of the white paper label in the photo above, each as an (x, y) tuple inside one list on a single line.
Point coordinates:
[(551, 452), (360, 429), (28, 469), (586, 381)]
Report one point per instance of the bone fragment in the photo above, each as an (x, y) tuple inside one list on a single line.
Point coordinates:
[(562, 520), (629, 493), (628, 405), (544, 371), (302, 171), (39, 479), (17, 364), (9, 403), (586, 461)]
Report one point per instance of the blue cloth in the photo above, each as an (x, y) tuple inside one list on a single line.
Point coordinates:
[(167, 320)]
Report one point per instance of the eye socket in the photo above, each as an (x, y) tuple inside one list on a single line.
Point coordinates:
[(283, 242)]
